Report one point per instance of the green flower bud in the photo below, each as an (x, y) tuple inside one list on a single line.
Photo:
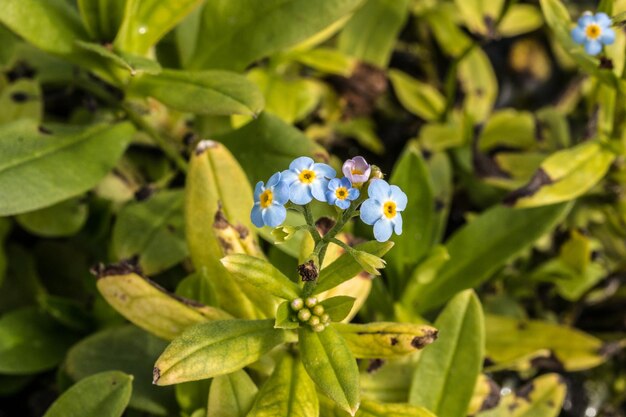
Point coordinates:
[(318, 310), (370, 263), (325, 318), (376, 173), (314, 321), (282, 234), (297, 304), (304, 314), (319, 328), (310, 302)]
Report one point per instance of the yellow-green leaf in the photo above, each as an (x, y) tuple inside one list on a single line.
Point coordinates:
[(419, 98), (231, 395)]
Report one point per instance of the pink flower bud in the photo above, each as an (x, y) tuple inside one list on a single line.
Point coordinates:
[(357, 170)]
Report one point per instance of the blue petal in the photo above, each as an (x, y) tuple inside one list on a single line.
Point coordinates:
[(345, 182), (298, 164), (585, 19), (300, 193), (371, 211), (399, 197), (578, 35), (274, 179), (288, 177), (281, 193), (603, 20), (256, 216), (608, 36), (274, 215), (258, 189), (342, 204), (330, 197), (318, 188), (324, 170), (397, 224), (378, 190), (382, 230), (593, 47), (333, 184), (353, 194)]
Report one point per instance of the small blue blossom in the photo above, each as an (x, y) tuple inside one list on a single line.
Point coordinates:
[(307, 180), (269, 202), (341, 193), (382, 209), (593, 31)]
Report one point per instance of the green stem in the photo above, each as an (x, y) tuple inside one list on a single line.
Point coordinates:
[(308, 217)]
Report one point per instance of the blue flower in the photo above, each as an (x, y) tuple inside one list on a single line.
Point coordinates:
[(382, 209), (269, 202), (593, 31), (307, 179), (341, 193)]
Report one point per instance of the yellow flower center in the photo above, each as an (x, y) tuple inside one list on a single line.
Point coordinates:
[(593, 31), (306, 176), (356, 171), (389, 209), (341, 193), (266, 198)]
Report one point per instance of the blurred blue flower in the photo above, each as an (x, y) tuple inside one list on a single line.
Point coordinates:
[(269, 202), (382, 209), (307, 180), (593, 31), (341, 193)]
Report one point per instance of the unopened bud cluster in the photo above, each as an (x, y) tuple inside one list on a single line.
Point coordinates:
[(310, 312)]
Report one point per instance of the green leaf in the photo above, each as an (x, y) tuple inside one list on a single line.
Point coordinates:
[(216, 348), (447, 371), (31, 108), (508, 129), (479, 83), (212, 207), (442, 21), (371, 408), (347, 267), (261, 274), (192, 396), (31, 342), (5, 228), (385, 340), (152, 230), (338, 307), (565, 175), (127, 349), (260, 28), (289, 392), (231, 395), (201, 92), (258, 141), (382, 21), (147, 21), (520, 19), (102, 18), (511, 343), (62, 219), (419, 98), (133, 63), (25, 153), (104, 395), (419, 234), (479, 15), (50, 25), (542, 397), (330, 364), (503, 233), (150, 307), (285, 317)]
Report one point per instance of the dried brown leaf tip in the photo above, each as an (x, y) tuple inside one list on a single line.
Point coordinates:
[(125, 266), (429, 336)]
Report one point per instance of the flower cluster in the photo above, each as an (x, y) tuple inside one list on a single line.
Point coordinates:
[(593, 31), (310, 312), (306, 180)]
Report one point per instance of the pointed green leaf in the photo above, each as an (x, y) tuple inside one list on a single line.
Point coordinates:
[(126, 349), (133, 63), (153, 230), (201, 92), (285, 317), (503, 233), (479, 83), (261, 274), (419, 98), (231, 395), (371, 408), (25, 153), (289, 392), (447, 371), (520, 19), (338, 307), (385, 340), (215, 348), (329, 362), (104, 395), (347, 267), (150, 307), (102, 18)]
